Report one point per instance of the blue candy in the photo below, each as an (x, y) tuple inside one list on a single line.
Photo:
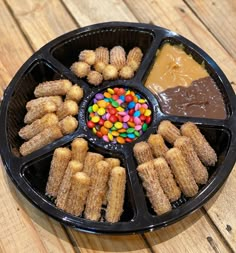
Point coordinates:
[(131, 105), (137, 114)]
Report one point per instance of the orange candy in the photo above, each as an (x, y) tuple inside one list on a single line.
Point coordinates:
[(120, 140)]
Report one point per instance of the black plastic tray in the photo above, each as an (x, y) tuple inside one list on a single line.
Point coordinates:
[(51, 62)]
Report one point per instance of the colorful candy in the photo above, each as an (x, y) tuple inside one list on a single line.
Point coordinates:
[(119, 115)]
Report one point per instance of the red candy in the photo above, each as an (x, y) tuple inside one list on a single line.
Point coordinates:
[(112, 110), (113, 118), (101, 122), (128, 98), (148, 119), (90, 124)]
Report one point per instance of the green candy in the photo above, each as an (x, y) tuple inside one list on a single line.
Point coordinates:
[(144, 127), (130, 130), (113, 128), (90, 109), (115, 104), (137, 133), (123, 135)]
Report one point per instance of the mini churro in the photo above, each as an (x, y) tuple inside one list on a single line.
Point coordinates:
[(99, 66), (134, 58), (94, 77), (203, 149), (116, 194), (99, 178), (182, 172), (87, 56), (29, 131), (79, 148), (168, 131), (80, 69), (90, 160), (52, 88), (155, 193), (110, 72), (75, 93), (40, 140), (60, 160), (166, 179), (142, 152), (57, 100), (69, 107), (126, 72), (118, 57), (157, 145), (68, 125), (102, 55)]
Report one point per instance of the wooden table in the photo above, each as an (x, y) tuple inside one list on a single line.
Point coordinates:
[(27, 25)]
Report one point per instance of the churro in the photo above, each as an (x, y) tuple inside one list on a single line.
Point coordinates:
[(79, 147), (68, 125), (102, 55), (134, 58), (118, 57), (69, 107), (75, 93), (157, 145), (90, 160), (142, 152), (168, 131), (80, 69), (57, 100)]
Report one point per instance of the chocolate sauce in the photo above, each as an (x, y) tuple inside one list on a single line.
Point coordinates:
[(201, 99)]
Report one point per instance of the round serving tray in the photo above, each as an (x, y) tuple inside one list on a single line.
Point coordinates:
[(53, 61)]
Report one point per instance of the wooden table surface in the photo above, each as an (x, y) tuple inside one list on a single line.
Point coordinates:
[(27, 25)]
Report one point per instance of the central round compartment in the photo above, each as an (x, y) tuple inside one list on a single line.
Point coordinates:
[(119, 115)]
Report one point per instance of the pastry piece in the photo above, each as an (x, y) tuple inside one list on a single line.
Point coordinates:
[(90, 160), (203, 149), (110, 72), (75, 93), (60, 161), (38, 112), (134, 58), (29, 131), (99, 66), (53, 88), (157, 145), (182, 172), (118, 57), (68, 125), (102, 55), (69, 107), (155, 193), (87, 56), (57, 100), (168, 131), (80, 69), (99, 178), (166, 179), (199, 171), (79, 148), (95, 78), (73, 167), (116, 194), (142, 152), (80, 185), (126, 72), (40, 140)]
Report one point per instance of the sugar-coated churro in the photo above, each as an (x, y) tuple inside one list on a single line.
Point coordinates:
[(157, 145), (57, 100), (142, 152), (68, 125), (168, 131), (75, 93), (90, 160), (79, 147), (69, 107)]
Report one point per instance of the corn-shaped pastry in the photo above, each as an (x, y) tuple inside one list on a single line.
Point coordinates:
[(75, 93), (79, 189), (155, 193), (69, 107), (118, 57), (99, 178), (57, 100), (90, 160), (87, 56), (166, 179), (203, 149), (199, 171), (94, 77), (168, 131), (134, 58), (157, 145), (68, 125), (59, 163), (53, 88), (110, 72), (116, 194), (40, 140), (73, 167), (142, 152), (102, 55), (29, 131), (38, 112), (182, 172), (80, 69), (126, 72), (79, 148)]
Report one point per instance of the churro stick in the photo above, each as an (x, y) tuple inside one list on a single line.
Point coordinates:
[(182, 172), (75, 93), (199, 171), (90, 160), (203, 149), (73, 167), (116, 194), (60, 161), (29, 131), (38, 112), (69, 107), (157, 145), (68, 125), (40, 140), (142, 152), (80, 185), (57, 100), (155, 193), (79, 147), (52, 88), (99, 178), (168, 131), (166, 179)]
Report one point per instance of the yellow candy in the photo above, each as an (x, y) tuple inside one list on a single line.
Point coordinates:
[(108, 124), (94, 130), (111, 91), (110, 136), (142, 101), (95, 119), (95, 107), (147, 112), (118, 125), (101, 111), (115, 133), (120, 109), (102, 103)]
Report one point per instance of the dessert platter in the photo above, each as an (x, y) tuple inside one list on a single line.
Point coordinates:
[(118, 128)]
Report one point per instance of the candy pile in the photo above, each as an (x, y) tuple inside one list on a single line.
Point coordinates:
[(119, 115)]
